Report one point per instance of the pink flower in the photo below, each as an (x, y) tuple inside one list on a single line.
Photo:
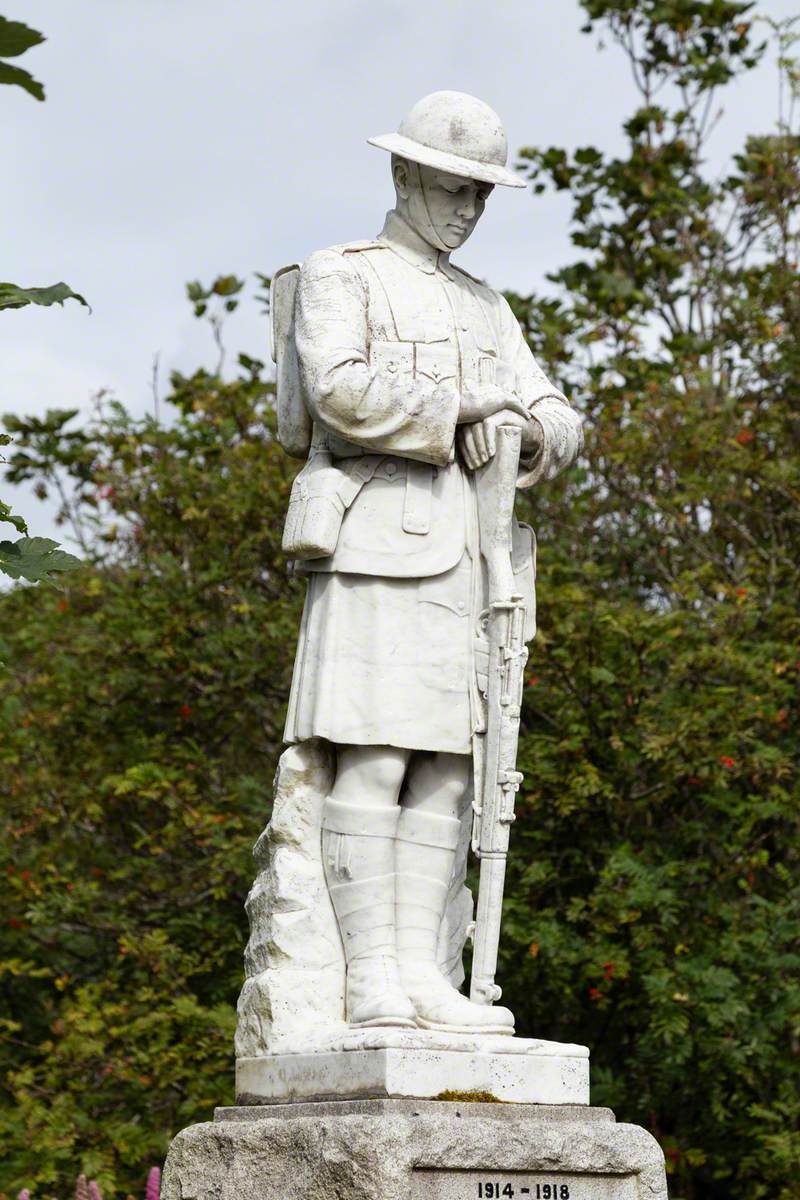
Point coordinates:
[(153, 1190)]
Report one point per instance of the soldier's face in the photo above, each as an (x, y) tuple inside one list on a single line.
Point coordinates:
[(450, 206)]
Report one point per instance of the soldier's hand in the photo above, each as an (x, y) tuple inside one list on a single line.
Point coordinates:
[(478, 442), (484, 400)]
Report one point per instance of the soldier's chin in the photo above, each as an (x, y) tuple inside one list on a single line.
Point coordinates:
[(454, 237)]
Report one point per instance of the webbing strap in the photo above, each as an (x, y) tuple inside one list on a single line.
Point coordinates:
[(417, 505)]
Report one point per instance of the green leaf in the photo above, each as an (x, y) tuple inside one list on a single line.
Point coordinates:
[(11, 518), (12, 296), (15, 76), (602, 675), (227, 285), (34, 559), (16, 38)]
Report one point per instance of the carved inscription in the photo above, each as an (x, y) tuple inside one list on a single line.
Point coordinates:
[(514, 1185), (494, 1189)]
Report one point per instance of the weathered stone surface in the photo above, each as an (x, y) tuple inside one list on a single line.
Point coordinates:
[(529, 1079), (294, 963), (393, 1150), (384, 1107), (421, 1064)]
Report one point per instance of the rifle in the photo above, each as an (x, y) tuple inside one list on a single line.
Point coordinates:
[(495, 751)]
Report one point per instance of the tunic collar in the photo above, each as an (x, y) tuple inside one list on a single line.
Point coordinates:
[(405, 241)]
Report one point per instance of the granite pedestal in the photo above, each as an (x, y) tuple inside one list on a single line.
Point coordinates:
[(414, 1150)]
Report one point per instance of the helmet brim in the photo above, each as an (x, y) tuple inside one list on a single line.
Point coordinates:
[(453, 164)]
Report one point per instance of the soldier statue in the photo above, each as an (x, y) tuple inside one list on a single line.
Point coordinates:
[(399, 373)]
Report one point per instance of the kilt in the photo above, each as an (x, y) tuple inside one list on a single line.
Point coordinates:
[(388, 662)]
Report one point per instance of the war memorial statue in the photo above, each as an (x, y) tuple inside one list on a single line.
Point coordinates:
[(407, 386)]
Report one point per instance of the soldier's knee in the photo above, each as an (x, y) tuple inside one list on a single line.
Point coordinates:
[(387, 768), (370, 774), (440, 783), (453, 772)]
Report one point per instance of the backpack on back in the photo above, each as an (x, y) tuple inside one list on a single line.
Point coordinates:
[(294, 419)]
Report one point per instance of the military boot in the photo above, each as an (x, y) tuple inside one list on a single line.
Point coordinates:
[(358, 855), (425, 855)]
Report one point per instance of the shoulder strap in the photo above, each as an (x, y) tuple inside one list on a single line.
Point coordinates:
[(374, 282), (358, 247)]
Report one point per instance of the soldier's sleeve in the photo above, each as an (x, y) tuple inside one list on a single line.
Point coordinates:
[(563, 435), (385, 408)]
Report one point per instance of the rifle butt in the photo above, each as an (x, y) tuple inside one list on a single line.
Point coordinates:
[(483, 989)]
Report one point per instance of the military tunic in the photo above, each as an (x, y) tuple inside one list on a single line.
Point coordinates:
[(390, 647)]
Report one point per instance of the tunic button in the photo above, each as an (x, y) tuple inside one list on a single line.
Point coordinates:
[(391, 469), (460, 606)]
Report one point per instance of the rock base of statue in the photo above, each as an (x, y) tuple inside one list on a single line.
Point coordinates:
[(414, 1150), (420, 1064)]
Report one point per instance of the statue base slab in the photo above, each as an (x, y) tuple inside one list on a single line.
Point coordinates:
[(414, 1150), (421, 1064)]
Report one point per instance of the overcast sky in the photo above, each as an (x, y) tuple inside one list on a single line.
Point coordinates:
[(182, 139)]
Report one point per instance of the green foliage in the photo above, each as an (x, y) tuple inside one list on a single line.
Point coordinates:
[(693, 44), (216, 303), (11, 518), (6, 515), (12, 296), (139, 728), (15, 39), (30, 558), (227, 286), (33, 559)]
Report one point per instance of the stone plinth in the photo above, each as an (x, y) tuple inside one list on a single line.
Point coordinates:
[(419, 1064), (414, 1150)]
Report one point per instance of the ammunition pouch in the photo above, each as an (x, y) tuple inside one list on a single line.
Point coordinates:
[(321, 495)]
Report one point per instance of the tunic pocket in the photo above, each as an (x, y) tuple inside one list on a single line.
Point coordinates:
[(435, 360)]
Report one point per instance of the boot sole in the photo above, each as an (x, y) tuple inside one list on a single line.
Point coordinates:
[(442, 1028)]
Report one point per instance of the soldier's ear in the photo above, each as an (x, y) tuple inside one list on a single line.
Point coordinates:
[(400, 176)]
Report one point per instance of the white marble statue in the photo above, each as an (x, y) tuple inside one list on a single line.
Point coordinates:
[(396, 370)]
